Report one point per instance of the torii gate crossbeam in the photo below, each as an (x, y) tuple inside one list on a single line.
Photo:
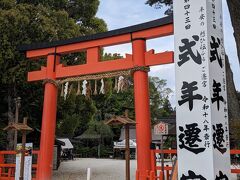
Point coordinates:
[(137, 35)]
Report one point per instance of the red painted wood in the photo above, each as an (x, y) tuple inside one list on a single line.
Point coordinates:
[(152, 59), (114, 40), (174, 151), (33, 54), (94, 67), (142, 110), (154, 32), (93, 55), (37, 75), (48, 122)]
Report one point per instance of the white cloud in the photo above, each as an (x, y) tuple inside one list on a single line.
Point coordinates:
[(166, 72), (118, 14)]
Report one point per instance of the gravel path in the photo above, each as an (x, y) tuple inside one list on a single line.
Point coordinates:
[(101, 169)]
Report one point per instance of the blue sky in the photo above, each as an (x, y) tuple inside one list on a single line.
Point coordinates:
[(118, 14)]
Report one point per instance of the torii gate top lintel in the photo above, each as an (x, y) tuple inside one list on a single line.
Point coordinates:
[(164, 25), (92, 44)]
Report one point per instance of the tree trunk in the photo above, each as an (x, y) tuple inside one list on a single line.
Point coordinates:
[(233, 106), (10, 134), (233, 6)]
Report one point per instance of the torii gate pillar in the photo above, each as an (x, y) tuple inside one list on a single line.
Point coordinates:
[(142, 110), (48, 120)]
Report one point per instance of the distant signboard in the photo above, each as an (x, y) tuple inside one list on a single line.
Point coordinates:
[(161, 128), (27, 163), (122, 144)]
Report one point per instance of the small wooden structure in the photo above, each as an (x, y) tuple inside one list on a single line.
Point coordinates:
[(126, 121), (24, 128)]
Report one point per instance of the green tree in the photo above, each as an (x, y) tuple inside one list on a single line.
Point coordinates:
[(20, 24), (159, 93), (166, 109), (235, 14), (238, 96), (25, 22), (82, 11), (160, 4), (74, 115), (115, 103), (98, 127)]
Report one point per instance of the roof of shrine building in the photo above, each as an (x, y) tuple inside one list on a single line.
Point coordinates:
[(120, 120), (18, 127), (171, 121), (130, 29)]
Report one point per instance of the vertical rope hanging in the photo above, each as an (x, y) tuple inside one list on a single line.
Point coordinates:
[(95, 88), (102, 87), (89, 90), (84, 87), (65, 90), (116, 84), (62, 90), (120, 84), (70, 89), (79, 88)]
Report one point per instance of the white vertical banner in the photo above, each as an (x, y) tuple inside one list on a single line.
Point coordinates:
[(201, 107), (27, 162)]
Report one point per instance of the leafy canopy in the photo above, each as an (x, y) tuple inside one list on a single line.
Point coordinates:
[(26, 22), (160, 3)]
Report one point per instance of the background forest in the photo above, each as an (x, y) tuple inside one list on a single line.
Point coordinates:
[(25, 22)]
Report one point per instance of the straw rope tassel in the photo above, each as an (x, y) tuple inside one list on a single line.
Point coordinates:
[(84, 86), (95, 88), (70, 89), (102, 87), (79, 88), (62, 90), (116, 84), (65, 90), (111, 74), (120, 84), (89, 90)]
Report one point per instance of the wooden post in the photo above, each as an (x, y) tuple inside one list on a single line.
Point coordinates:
[(17, 104), (99, 147), (167, 173), (127, 152), (174, 174), (162, 158), (153, 158), (23, 151)]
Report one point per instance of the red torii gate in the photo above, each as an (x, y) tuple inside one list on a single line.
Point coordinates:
[(137, 35)]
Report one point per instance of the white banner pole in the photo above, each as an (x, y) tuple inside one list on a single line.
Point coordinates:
[(201, 107)]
